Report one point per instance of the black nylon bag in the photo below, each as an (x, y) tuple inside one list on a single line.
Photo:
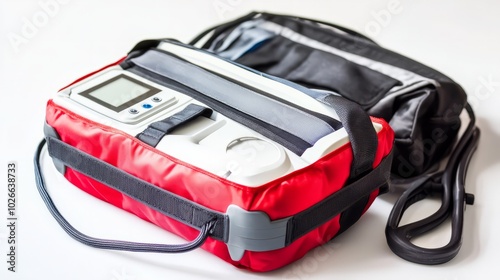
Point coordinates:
[(422, 106), (424, 112)]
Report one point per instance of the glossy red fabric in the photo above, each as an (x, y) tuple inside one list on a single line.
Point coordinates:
[(280, 198)]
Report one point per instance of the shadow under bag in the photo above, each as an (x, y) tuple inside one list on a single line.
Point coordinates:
[(420, 104)]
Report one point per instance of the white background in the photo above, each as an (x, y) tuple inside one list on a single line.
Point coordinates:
[(459, 38)]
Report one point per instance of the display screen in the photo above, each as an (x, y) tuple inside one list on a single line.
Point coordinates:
[(119, 92)]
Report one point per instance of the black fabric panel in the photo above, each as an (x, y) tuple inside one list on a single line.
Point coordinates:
[(170, 204), (450, 94), (421, 140), (338, 202), (358, 47), (318, 69), (157, 130), (355, 82)]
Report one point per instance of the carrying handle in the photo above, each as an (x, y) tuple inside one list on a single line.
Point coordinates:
[(450, 183), (109, 244), (219, 29), (336, 26)]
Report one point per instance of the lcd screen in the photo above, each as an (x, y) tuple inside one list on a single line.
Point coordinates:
[(120, 92)]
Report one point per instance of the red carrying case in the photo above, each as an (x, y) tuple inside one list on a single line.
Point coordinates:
[(260, 226)]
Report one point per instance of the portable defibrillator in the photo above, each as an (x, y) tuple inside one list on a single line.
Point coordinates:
[(254, 141), (248, 166)]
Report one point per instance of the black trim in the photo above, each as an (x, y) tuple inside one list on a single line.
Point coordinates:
[(363, 137), (333, 123)]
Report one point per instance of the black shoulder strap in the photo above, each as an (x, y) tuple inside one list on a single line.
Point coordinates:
[(450, 183)]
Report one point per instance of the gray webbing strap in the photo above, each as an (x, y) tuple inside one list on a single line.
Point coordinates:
[(287, 118), (193, 214), (170, 204)]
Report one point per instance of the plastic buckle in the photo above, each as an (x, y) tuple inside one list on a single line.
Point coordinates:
[(253, 231)]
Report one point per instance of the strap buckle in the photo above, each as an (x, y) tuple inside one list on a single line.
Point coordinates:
[(253, 231)]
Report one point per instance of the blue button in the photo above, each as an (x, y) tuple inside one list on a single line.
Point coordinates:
[(147, 106)]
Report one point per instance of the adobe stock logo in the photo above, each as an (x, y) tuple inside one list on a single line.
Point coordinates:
[(486, 89), (382, 18), (31, 25), (222, 7)]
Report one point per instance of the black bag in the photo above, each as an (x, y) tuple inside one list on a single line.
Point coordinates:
[(422, 105)]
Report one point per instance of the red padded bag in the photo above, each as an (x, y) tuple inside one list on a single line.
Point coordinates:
[(308, 179)]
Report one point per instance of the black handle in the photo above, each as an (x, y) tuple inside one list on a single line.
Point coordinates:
[(339, 27), (219, 29), (107, 243)]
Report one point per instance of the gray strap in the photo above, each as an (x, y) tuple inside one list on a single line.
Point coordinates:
[(170, 204), (297, 122), (209, 222)]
